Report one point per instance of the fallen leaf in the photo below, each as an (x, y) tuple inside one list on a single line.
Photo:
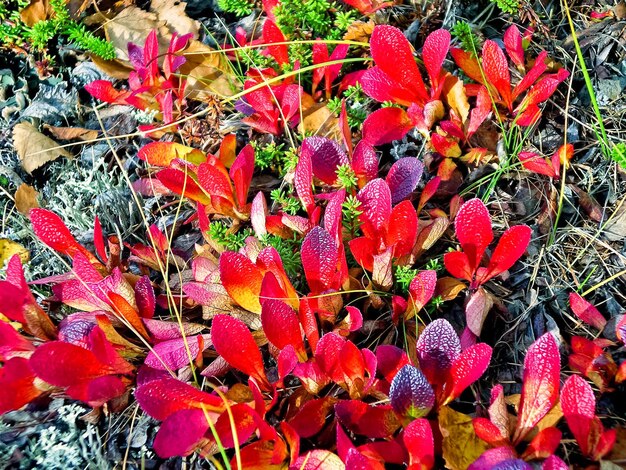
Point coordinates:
[(207, 71), (319, 120), (132, 24), (172, 12), (461, 446), (72, 133), (615, 228), (448, 288), (8, 248), (34, 148), (113, 68), (36, 11), (588, 203), (25, 198)]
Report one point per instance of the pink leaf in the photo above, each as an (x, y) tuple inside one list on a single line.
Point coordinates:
[(281, 326), (586, 311), (375, 200), (385, 125), (473, 230), (468, 368), (319, 260), (540, 388), (326, 156)]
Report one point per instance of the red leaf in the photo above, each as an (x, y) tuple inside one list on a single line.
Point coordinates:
[(144, 296), (543, 445), (312, 416), (16, 384), (402, 230), (510, 248), (319, 260), (399, 66), (282, 327), (438, 348), (104, 90), (272, 34), (51, 230), (390, 360), (183, 184), (98, 240), (326, 156), (245, 423), (385, 125), (586, 311), (489, 432), (411, 395), (241, 173), (234, 342), (12, 342), (434, 53), (540, 388), (468, 368), (473, 231), (496, 70), (375, 200), (364, 163), (513, 44), (163, 397), (468, 63), (535, 163), (376, 422), (241, 279), (532, 75), (419, 442), (181, 433), (421, 290), (403, 177), (215, 181)]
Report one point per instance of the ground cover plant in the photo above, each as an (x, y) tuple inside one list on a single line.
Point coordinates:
[(316, 236)]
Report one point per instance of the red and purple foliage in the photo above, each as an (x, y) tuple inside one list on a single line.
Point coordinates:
[(521, 101), (304, 371), (151, 87)]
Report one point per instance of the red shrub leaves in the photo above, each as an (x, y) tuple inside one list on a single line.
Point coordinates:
[(586, 311), (540, 388), (234, 343), (579, 408), (473, 230)]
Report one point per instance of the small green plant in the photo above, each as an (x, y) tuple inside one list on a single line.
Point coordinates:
[(404, 276), (347, 178), (356, 105), (351, 212), (238, 7), (295, 17), (463, 32), (434, 264), (273, 156), (288, 204), (507, 6), (343, 19), (618, 154), (289, 251), (14, 31), (224, 235)]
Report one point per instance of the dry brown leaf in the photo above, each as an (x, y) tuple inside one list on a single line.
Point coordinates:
[(319, 120), (207, 71), (36, 11), (132, 24), (359, 31), (72, 133), (449, 288), (172, 12), (34, 148), (461, 446), (588, 203), (8, 248), (113, 68), (26, 198)]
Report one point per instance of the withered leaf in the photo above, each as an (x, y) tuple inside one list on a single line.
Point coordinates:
[(72, 133), (8, 248), (34, 148), (461, 446), (26, 198)]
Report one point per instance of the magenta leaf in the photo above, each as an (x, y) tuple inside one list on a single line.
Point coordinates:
[(403, 177)]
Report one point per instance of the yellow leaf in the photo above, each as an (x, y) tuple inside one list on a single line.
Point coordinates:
[(461, 446), (454, 91), (34, 148), (8, 248), (360, 31), (26, 198)]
